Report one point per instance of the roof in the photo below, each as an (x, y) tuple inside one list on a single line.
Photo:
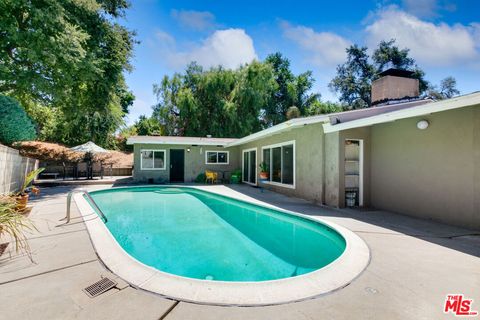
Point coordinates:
[(331, 122), (284, 126), (89, 147), (338, 117), (467, 100), (202, 141)]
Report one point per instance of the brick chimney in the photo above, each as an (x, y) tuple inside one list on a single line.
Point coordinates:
[(394, 84)]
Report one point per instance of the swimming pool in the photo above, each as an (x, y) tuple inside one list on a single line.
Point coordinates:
[(195, 245), (197, 234)]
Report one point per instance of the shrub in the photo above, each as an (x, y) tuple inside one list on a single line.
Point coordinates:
[(14, 224), (200, 178), (15, 124)]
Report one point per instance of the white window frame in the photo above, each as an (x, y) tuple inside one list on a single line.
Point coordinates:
[(154, 150), (243, 165), (286, 143), (217, 151)]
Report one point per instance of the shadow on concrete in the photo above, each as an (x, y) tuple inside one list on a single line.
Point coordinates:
[(456, 238), (453, 237)]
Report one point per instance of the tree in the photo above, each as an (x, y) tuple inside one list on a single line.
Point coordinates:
[(324, 107), (448, 89), (219, 102), (291, 91), (354, 77), (293, 112), (70, 56), (388, 55), (147, 126), (15, 124)]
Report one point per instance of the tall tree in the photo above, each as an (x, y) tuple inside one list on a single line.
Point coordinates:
[(354, 77), (68, 55), (448, 89), (388, 55), (291, 91), (220, 102)]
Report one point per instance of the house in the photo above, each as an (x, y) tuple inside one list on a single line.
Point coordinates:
[(406, 155)]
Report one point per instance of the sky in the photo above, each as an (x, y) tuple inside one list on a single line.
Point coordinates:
[(443, 36)]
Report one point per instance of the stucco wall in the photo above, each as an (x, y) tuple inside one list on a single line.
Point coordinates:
[(335, 165), (308, 160), (432, 173), (194, 162)]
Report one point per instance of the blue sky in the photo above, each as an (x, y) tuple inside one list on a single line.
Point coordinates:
[(444, 37)]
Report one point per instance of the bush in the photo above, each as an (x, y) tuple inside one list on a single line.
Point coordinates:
[(15, 124), (200, 178)]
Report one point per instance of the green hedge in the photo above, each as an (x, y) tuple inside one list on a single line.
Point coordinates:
[(15, 124)]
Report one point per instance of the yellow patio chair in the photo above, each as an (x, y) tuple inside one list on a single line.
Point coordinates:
[(211, 175)]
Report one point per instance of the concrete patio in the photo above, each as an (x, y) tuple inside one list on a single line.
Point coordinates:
[(414, 265)]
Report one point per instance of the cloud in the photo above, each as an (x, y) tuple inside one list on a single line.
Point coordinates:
[(229, 48), (165, 38), (196, 20), (421, 8), (427, 8), (323, 48), (429, 43)]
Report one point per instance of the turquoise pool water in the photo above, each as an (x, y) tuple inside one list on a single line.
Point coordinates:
[(198, 234)]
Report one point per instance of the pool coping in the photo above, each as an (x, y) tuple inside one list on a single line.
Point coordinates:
[(334, 276)]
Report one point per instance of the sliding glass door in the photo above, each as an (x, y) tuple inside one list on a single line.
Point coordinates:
[(250, 166), (280, 161)]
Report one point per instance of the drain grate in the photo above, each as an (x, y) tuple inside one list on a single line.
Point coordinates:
[(99, 287)]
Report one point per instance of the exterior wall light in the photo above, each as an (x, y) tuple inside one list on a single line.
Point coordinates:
[(188, 149), (422, 124)]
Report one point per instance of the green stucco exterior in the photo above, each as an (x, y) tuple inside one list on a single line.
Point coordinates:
[(194, 162)]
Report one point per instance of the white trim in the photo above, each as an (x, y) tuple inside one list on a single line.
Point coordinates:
[(217, 152), (422, 110), (183, 141), (154, 150), (243, 165), (285, 126), (281, 144)]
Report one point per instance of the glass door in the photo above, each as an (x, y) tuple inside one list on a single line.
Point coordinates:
[(249, 166)]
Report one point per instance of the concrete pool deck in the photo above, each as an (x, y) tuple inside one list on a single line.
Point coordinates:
[(414, 264)]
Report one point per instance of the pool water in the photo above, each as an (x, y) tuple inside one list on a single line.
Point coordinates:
[(198, 234)]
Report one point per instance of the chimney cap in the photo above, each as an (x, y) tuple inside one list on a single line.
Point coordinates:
[(397, 73)]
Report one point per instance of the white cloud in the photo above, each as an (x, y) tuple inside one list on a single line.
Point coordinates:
[(229, 48), (421, 8), (165, 38), (429, 43), (323, 48), (197, 20)]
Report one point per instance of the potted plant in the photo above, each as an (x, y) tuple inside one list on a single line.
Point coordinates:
[(14, 224), (22, 195), (264, 172)]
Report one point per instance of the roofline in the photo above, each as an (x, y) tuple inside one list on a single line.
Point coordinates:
[(183, 143), (467, 100), (284, 126)]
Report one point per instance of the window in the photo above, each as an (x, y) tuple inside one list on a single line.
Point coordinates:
[(216, 157), (152, 159), (280, 160)]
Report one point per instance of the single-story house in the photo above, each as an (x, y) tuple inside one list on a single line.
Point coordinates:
[(407, 155)]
